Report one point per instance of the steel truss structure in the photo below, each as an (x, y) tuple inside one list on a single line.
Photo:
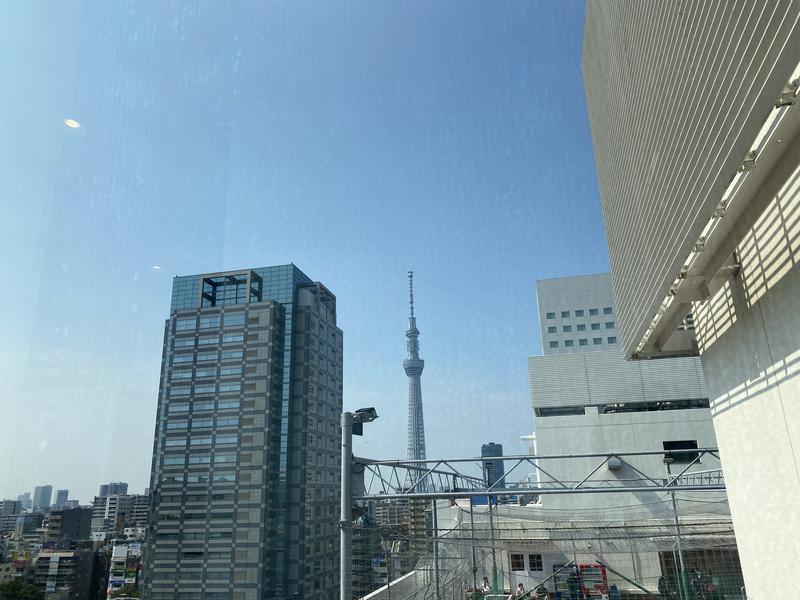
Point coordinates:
[(613, 472)]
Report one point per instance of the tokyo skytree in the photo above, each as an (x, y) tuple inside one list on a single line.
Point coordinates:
[(413, 366)]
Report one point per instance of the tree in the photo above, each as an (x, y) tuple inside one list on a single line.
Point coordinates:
[(16, 590), (126, 590)]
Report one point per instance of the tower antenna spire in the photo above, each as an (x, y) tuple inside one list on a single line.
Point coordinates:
[(411, 292)]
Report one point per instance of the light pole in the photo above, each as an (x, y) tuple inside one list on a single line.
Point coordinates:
[(352, 423)]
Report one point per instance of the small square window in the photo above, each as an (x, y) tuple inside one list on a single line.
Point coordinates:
[(583, 342), (595, 326), (554, 344), (597, 341), (607, 310), (582, 327), (609, 324), (569, 343), (612, 339), (579, 312), (517, 562), (552, 329), (566, 328), (564, 315), (592, 312), (551, 315), (535, 562)]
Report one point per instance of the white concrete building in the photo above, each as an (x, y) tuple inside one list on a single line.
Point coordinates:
[(698, 158), (588, 399)]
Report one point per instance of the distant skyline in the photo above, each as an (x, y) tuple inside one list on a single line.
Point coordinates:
[(358, 140)]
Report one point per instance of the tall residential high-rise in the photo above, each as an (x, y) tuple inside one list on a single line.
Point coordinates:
[(413, 366), (117, 488), (61, 498), (41, 496), (245, 472), (494, 470)]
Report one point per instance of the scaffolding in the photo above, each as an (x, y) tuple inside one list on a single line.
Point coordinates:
[(479, 530)]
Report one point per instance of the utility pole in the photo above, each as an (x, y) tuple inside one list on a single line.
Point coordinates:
[(683, 588), (472, 546), (491, 529)]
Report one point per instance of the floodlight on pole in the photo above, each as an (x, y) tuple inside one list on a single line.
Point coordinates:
[(350, 422)]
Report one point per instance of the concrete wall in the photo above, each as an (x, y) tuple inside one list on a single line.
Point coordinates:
[(750, 338), (604, 377), (619, 432)]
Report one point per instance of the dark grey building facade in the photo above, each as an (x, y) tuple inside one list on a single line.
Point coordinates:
[(494, 469), (244, 483)]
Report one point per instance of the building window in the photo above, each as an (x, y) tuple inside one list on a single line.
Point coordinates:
[(592, 312), (566, 328), (583, 342), (672, 451), (609, 324), (595, 326), (582, 327), (232, 339), (201, 441), (612, 339), (224, 458), (552, 329), (517, 562), (597, 341), (234, 320), (535, 562), (554, 344), (185, 324), (607, 310), (209, 322), (551, 315), (207, 341), (183, 358), (564, 315), (579, 312), (177, 425), (569, 343)]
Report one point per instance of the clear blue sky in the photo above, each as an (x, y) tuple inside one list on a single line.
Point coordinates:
[(356, 139)]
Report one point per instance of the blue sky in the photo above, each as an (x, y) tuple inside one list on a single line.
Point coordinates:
[(356, 139)]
